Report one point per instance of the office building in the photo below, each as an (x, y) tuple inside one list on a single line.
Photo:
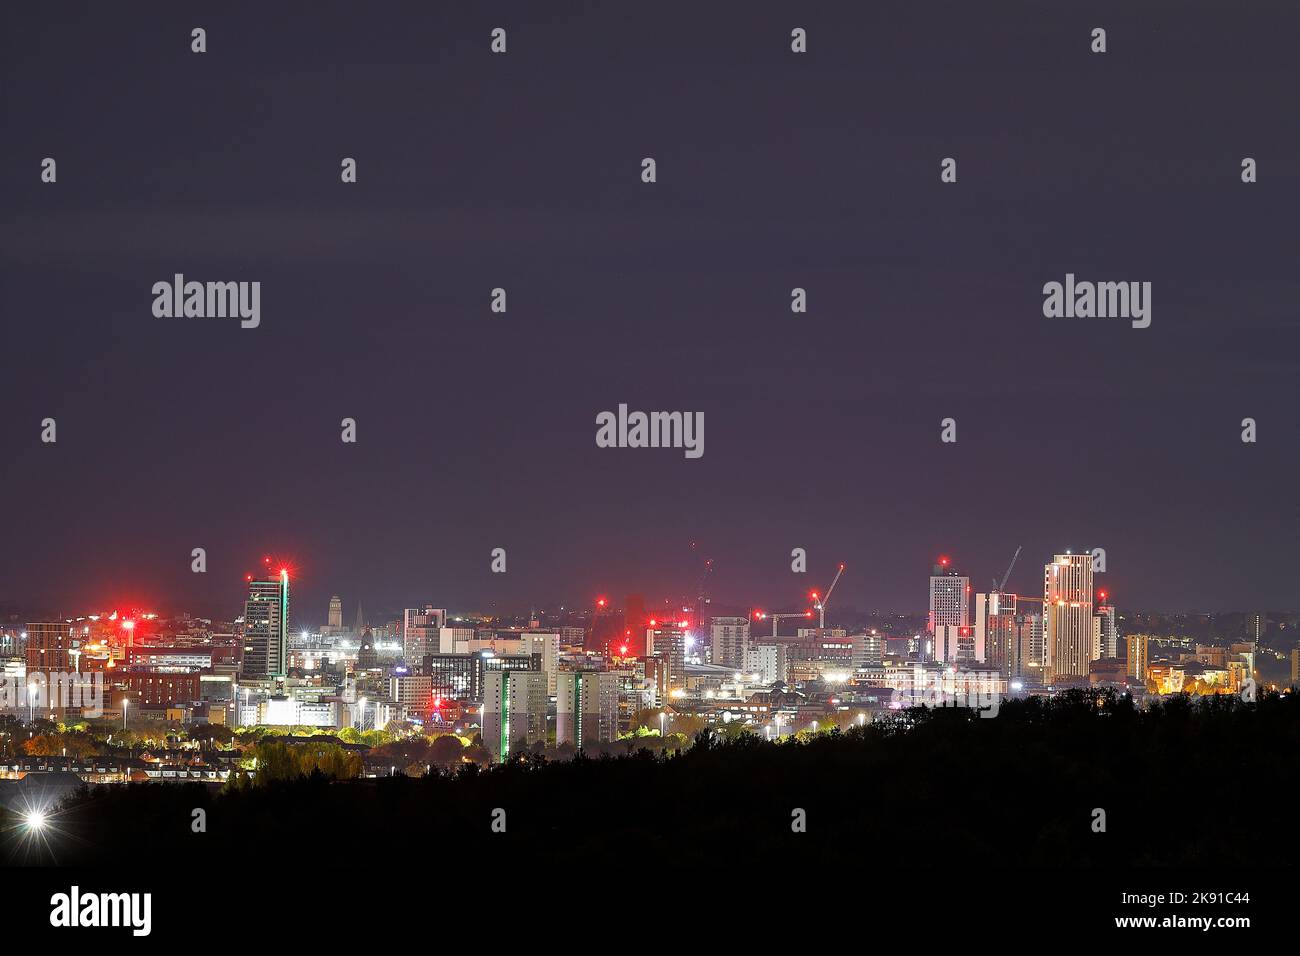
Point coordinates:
[(421, 632), (266, 626), (949, 597)]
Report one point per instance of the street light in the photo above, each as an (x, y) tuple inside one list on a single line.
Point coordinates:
[(35, 820)]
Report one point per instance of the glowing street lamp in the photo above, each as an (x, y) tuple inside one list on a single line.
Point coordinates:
[(35, 820)]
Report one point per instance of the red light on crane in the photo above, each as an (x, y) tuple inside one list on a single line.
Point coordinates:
[(622, 651)]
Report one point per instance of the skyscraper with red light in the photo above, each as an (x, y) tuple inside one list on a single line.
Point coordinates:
[(949, 597), (266, 626)]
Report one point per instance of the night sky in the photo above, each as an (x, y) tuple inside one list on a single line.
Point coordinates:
[(775, 170)]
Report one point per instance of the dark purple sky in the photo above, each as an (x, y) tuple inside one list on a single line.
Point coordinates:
[(775, 170)]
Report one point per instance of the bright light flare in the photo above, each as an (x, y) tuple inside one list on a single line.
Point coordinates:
[(35, 820)]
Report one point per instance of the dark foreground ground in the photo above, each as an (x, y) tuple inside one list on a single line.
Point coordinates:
[(1210, 783)]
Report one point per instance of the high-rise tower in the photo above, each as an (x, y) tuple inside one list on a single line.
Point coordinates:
[(1067, 617), (266, 626), (949, 598)]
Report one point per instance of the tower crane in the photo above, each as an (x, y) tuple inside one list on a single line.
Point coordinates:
[(999, 586), (777, 618), (820, 602)]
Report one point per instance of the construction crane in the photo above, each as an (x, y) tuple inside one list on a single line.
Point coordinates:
[(777, 618), (820, 602), (996, 585)]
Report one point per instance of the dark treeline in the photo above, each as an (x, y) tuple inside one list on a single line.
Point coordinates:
[(1208, 782)]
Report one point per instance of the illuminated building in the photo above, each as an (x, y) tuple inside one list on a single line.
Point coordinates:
[(995, 629), (49, 647), (367, 656), (421, 632), (414, 692), (868, 650), (334, 627), (153, 689), (453, 640), (460, 676), (158, 658), (546, 648), (1105, 635), (1067, 616), (1026, 663), (1256, 624), (949, 597), (1138, 655), (958, 645), (514, 711), (666, 640), (769, 661), (729, 640), (586, 708), (266, 626)]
